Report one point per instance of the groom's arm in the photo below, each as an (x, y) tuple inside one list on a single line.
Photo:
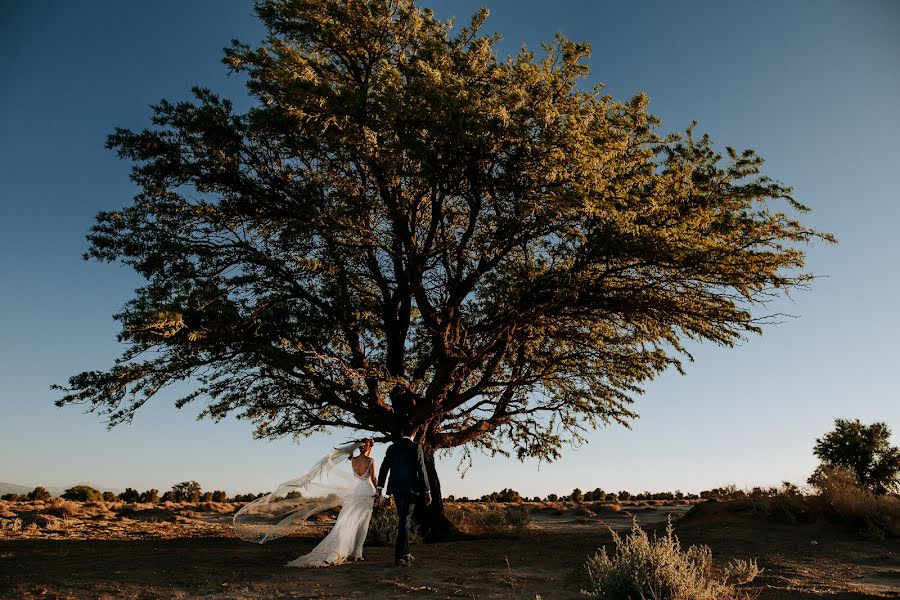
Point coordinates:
[(423, 472), (385, 467)]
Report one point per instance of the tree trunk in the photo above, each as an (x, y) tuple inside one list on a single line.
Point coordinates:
[(432, 524)]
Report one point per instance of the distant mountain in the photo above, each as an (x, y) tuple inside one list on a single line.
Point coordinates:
[(56, 490)]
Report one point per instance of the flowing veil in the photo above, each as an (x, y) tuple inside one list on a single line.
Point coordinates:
[(321, 488)]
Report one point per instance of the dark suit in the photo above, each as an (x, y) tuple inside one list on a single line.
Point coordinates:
[(409, 480)]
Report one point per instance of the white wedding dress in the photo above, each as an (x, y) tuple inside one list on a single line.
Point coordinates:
[(347, 537), (328, 484)]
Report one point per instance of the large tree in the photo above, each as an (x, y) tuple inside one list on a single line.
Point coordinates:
[(406, 228)]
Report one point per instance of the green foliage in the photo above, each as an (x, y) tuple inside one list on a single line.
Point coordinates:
[(576, 496), (658, 569), (83, 493), (245, 497), (220, 496), (186, 491), (109, 496), (39, 493), (130, 495), (11, 497), (406, 227), (594, 495), (504, 495), (151, 496), (383, 527), (865, 449)]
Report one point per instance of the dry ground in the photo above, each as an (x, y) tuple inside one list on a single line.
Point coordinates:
[(181, 551)]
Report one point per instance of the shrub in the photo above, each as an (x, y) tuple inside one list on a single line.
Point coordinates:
[(109, 497), (740, 571), (83, 493), (576, 495), (63, 508), (220, 496), (656, 569), (151, 496), (843, 498), (504, 495), (186, 491), (383, 527), (490, 521), (39, 493), (129, 495), (11, 497)]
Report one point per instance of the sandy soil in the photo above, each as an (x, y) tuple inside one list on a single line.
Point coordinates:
[(193, 554)]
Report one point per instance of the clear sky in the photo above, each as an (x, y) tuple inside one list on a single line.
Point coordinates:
[(814, 86)]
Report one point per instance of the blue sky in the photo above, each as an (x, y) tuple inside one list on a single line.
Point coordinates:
[(812, 85)]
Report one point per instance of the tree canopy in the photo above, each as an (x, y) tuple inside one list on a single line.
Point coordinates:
[(405, 227), (864, 449)]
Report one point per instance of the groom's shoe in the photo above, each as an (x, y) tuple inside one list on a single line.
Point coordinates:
[(405, 561)]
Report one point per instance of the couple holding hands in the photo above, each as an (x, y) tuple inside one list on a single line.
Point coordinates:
[(328, 485)]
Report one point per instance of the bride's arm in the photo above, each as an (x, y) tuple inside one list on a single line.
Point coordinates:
[(372, 474)]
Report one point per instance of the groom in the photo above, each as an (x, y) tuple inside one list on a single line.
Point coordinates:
[(409, 480)]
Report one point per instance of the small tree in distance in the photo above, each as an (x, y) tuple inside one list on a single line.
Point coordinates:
[(130, 495), (864, 449), (150, 496), (83, 493), (39, 493), (186, 491)]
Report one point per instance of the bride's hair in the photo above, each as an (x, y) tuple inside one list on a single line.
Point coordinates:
[(362, 444)]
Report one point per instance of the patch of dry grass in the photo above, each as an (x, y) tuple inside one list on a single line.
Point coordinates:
[(482, 519)]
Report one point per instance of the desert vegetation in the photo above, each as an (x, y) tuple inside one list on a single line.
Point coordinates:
[(658, 568)]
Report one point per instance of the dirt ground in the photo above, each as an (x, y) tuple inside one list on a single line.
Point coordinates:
[(194, 555)]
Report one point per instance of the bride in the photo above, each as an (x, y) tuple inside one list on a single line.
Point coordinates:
[(327, 485)]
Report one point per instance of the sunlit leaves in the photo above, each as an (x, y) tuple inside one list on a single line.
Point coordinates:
[(407, 227)]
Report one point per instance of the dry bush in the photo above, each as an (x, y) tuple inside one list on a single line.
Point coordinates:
[(599, 507), (154, 514), (489, 521), (843, 499), (63, 508), (740, 571), (11, 525), (657, 569), (216, 507), (6, 511)]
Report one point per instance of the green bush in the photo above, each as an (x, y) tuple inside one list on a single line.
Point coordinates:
[(39, 493), (130, 495), (186, 491), (11, 497), (83, 493), (383, 527), (151, 496), (658, 569)]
